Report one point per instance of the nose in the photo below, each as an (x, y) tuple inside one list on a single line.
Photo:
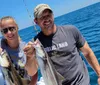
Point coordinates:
[(9, 32), (46, 18)]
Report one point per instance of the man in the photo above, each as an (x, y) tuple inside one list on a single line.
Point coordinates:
[(14, 47), (63, 44)]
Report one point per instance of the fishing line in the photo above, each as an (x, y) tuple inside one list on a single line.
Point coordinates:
[(30, 17)]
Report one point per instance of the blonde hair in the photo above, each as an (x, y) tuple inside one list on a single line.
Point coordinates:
[(6, 18)]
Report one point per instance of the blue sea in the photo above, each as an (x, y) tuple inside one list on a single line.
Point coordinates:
[(87, 20)]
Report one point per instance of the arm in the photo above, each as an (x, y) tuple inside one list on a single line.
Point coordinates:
[(34, 79), (86, 50), (31, 64), (91, 58)]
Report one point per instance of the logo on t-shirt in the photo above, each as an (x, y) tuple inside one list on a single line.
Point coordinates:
[(57, 46)]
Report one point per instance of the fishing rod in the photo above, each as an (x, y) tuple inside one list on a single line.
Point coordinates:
[(30, 17)]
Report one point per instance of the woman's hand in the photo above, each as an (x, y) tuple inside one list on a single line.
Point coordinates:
[(29, 50), (31, 63)]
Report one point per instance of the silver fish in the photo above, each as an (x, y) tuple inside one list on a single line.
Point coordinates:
[(49, 73), (10, 73)]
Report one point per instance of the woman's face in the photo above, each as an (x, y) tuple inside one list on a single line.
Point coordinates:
[(9, 29)]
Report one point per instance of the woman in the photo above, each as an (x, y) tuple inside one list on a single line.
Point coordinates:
[(12, 44)]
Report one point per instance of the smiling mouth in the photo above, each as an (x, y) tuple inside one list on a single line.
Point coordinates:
[(47, 23), (11, 37)]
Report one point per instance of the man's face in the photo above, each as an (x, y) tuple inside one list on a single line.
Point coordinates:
[(46, 21), (9, 29)]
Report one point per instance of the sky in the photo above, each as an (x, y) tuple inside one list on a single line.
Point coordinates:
[(18, 8)]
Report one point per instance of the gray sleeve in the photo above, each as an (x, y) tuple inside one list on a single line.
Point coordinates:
[(80, 40)]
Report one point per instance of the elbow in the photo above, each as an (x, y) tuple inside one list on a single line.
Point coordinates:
[(34, 79), (31, 70), (86, 54), (32, 73)]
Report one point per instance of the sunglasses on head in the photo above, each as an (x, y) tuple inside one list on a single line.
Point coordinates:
[(5, 30)]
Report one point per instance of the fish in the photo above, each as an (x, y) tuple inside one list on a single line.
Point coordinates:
[(48, 71), (9, 72)]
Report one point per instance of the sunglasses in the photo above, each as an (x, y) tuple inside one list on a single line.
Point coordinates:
[(46, 16), (5, 30)]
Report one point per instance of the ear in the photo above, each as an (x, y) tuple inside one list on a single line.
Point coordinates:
[(35, 21)]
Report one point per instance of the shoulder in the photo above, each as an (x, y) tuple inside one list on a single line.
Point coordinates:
[(3, 40), (40, 34), (68, 27), (3, 43), (22, 43)]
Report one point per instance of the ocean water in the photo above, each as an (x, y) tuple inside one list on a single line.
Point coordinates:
[(87, 20)]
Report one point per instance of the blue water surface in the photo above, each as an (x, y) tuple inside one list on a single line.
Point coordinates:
[(87, 20)]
